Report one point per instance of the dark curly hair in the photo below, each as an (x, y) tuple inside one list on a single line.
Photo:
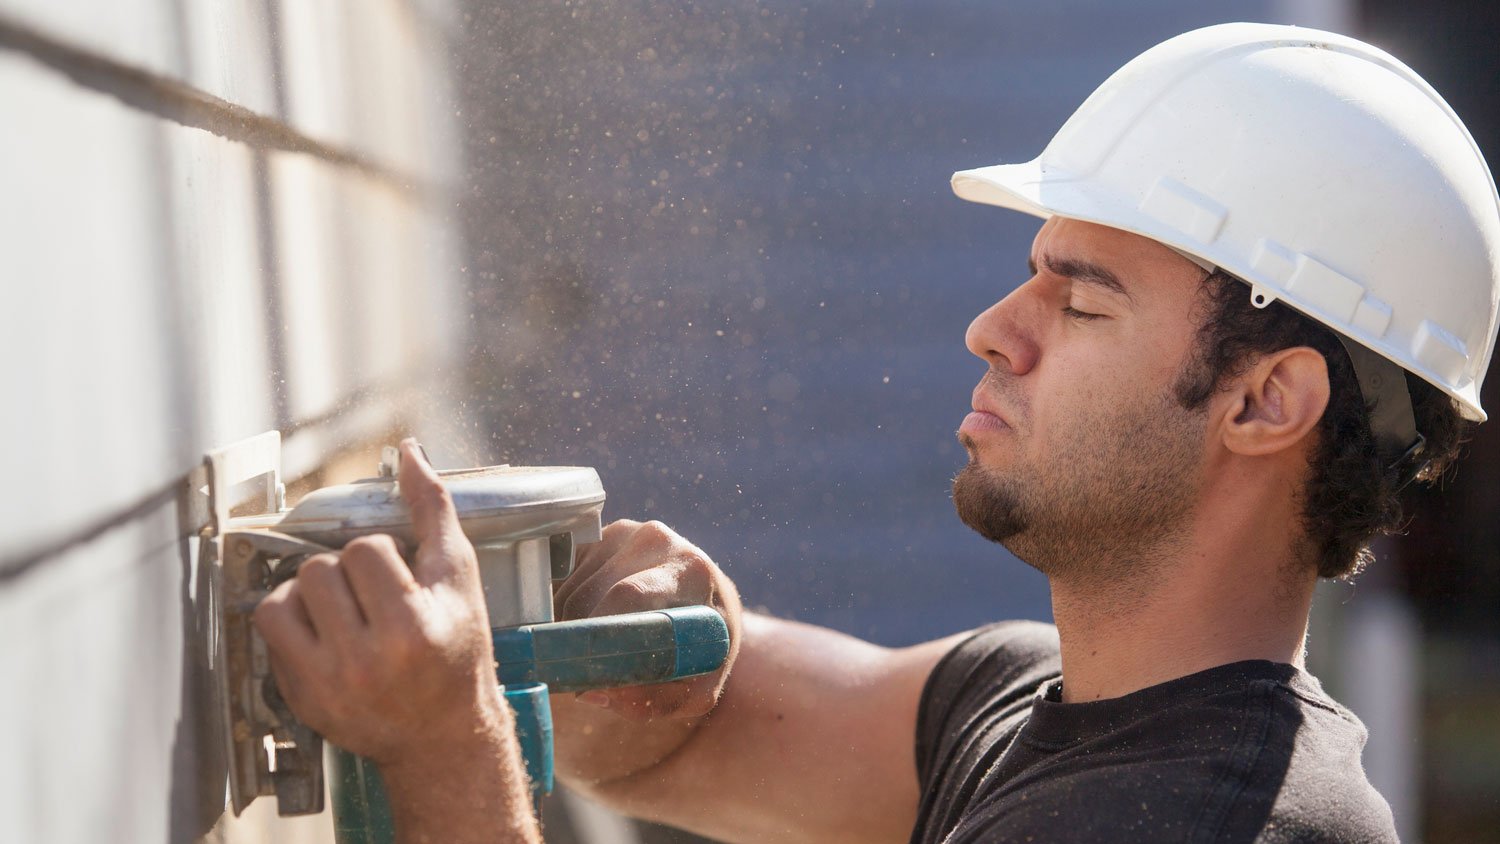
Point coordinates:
[(1349, 496)]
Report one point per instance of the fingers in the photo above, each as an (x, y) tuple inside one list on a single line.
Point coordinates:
[(595, 554), (593, 557), (431, 506), (283, 621), (683, 574), (328, 597), (639, 567), (682, 582), (335, 602), (645, 566), (674, 584), (379, 578), (441, 545)]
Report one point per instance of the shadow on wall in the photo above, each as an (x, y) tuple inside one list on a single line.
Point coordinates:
[(200, 770)]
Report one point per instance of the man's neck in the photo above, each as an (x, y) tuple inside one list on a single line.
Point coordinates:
[(1224, 595)]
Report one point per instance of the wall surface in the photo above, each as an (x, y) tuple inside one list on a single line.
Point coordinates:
[(219, 218)]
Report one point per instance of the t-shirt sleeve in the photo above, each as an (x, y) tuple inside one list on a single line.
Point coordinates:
[(994, 666)]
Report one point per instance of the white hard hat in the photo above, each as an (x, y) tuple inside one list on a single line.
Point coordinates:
[(1316, 168)]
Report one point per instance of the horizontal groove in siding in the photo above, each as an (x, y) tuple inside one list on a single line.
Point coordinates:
[(17, 566), (171, 99)]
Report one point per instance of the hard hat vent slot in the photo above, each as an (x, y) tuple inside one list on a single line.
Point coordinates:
[(1372, 316), (1325, 288), (1437, 349), (1273, 261), (1184, 209)]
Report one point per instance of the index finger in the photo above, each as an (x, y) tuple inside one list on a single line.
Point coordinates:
[(441, 552)]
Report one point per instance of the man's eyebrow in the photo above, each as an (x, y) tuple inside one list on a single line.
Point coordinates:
[(1084, 271)]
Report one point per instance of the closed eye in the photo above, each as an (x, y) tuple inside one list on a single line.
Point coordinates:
[(1081, 316)]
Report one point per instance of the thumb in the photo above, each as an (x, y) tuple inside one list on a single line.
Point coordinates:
[(440, 540)]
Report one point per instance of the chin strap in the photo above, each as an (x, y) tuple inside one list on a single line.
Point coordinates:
[(1383, 386)]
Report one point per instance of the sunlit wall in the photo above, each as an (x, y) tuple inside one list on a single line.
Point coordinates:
[(216, 219)]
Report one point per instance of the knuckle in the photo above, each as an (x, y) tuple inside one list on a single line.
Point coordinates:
[(628, 592), (269, 610), (317, 567), (275, 608), (454, 545), (436, 497), (576, 605), (622, 526), (422, 637), (399, 651), (372, 545), (704, 579), (400, 643), (656, 531), (699, 565)]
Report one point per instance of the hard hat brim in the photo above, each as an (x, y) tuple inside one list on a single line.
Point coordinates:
[(1033, 189), (1021, 187)]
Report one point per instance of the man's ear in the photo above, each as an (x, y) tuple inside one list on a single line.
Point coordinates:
[(1273, 405)]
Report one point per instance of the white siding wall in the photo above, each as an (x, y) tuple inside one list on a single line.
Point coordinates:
[(217, 217)]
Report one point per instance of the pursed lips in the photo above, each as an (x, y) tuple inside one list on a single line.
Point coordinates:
[(986, 416), (979, 404)]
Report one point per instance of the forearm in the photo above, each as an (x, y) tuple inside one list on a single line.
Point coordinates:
[(474, 791), (812, 741)]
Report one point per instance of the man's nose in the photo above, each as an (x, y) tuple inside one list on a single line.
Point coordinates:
[(1004, 335)]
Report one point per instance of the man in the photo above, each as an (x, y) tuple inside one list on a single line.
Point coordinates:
[(1261, 302)]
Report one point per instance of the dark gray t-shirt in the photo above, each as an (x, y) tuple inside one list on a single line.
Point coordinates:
[(1251, 751)]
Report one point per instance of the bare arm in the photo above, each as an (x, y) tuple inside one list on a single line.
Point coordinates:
[(813, 740), (812, 737)]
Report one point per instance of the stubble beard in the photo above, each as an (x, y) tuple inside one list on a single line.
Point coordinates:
[(1117, 499)]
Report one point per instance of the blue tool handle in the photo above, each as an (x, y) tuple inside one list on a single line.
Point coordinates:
[(614, 650), (529, 703)]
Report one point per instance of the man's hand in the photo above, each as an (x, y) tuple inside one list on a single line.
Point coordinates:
[(646, 566), (395, 663)]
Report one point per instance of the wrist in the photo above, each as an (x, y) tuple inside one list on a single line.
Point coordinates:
[(464, 785), (475, 734)]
